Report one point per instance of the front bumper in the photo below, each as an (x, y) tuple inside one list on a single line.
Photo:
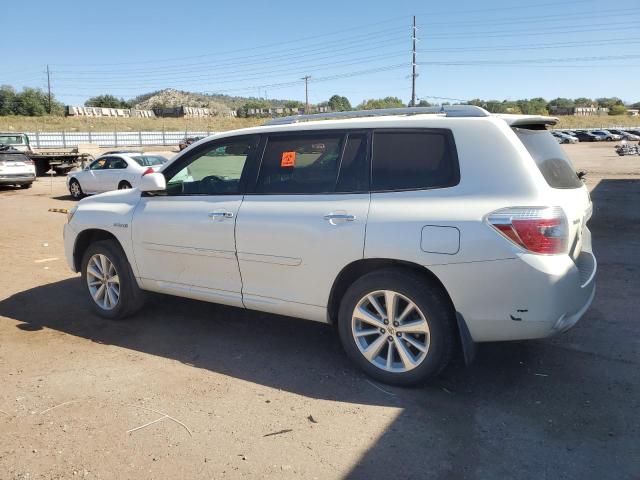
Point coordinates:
[(69, 235)]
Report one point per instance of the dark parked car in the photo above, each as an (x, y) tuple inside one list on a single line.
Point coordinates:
[(587, 137)]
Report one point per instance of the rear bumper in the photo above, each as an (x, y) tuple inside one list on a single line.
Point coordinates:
[(529, 297), (17, 179)]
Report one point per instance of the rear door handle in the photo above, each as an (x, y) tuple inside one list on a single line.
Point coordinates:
[(220, 215), (334, 217)]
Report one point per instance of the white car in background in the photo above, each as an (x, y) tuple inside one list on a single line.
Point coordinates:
[(113, 171), (16, 169)]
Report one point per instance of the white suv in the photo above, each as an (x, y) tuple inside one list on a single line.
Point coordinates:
[(412, 233)]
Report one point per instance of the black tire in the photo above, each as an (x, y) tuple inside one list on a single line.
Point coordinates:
[(26, 185), (123, 185), (428, 297), (79, 193), (131, 297)]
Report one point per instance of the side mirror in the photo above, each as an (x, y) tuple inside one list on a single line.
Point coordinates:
[(153, 182)]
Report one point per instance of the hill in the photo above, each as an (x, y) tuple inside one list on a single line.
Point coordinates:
[(170, 97)]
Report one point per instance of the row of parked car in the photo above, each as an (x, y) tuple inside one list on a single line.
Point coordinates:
[(588, 135)]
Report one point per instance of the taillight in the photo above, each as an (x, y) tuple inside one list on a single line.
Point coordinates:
[(537, 229), (28, 161), (148, 170)]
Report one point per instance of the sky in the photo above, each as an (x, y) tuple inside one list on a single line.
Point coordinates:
[(494, 49)]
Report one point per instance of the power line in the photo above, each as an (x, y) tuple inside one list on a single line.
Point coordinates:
[(297, 41), (413, 65), (235, 76), (556, 30)]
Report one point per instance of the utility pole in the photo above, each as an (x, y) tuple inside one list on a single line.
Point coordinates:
[(413, 66), (306, 92), (49, 89)]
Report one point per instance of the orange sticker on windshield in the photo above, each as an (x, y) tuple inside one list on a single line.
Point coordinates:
[(288, 159)]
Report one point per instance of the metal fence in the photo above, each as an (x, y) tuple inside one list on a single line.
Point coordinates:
[(108, 139)]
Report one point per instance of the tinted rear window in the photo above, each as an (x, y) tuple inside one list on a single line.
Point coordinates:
[(555, 166), (413, 160), (149, 160)]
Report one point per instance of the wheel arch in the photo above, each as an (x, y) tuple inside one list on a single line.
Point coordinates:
[(351, 272), (86, 238)]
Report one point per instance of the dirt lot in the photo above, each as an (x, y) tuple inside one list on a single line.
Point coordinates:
[(244, 394)]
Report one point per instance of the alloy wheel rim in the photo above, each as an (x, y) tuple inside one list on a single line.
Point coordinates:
[(390, 331), (103, 281), (75, 189)]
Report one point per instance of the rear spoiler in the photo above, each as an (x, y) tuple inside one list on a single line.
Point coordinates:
[(522, 120)]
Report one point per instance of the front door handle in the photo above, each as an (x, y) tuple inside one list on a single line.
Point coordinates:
[(220, 215), (338, 217)]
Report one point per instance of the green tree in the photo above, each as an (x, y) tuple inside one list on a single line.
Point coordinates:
[(534, 106), (7, 97), (618, 110), (293, 104), (609, 102), (107, 101), (387, 102), (243, 111), (31, 102), (338, 103), (561, 103), (424, 103), (584, 102)]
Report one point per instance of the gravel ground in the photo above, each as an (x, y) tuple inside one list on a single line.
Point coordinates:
[(244, 394)]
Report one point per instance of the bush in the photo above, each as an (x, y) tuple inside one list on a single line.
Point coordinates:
[(107, 101), (30, 102)]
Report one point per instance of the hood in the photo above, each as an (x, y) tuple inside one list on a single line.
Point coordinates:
[(129, 196)]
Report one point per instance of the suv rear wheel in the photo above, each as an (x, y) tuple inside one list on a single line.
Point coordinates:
[(106, 273), (397, 326)]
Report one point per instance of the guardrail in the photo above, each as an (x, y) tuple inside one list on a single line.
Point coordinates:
[(108, 139)]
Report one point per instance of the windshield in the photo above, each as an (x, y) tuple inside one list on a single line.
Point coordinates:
[(11, 140), (555, 166), (149, 160)]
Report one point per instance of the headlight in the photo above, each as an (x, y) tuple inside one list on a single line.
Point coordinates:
[(71, 212)]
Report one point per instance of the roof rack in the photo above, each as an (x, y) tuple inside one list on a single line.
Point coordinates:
[(447, 110)]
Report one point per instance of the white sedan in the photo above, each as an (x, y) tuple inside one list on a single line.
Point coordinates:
[(113, 172)]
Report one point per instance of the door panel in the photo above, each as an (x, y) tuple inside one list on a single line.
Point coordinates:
[(184, 240), (289, 251), (177, 241), (295, 234)]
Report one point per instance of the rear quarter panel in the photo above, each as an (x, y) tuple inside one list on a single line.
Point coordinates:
[(494, 173)]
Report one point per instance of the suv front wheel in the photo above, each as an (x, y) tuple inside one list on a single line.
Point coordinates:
[(397, 326), (108, 278)]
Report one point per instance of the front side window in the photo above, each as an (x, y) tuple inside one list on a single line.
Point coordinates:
[(306, 163), (413, 160), (216, 171), (99, 164)]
